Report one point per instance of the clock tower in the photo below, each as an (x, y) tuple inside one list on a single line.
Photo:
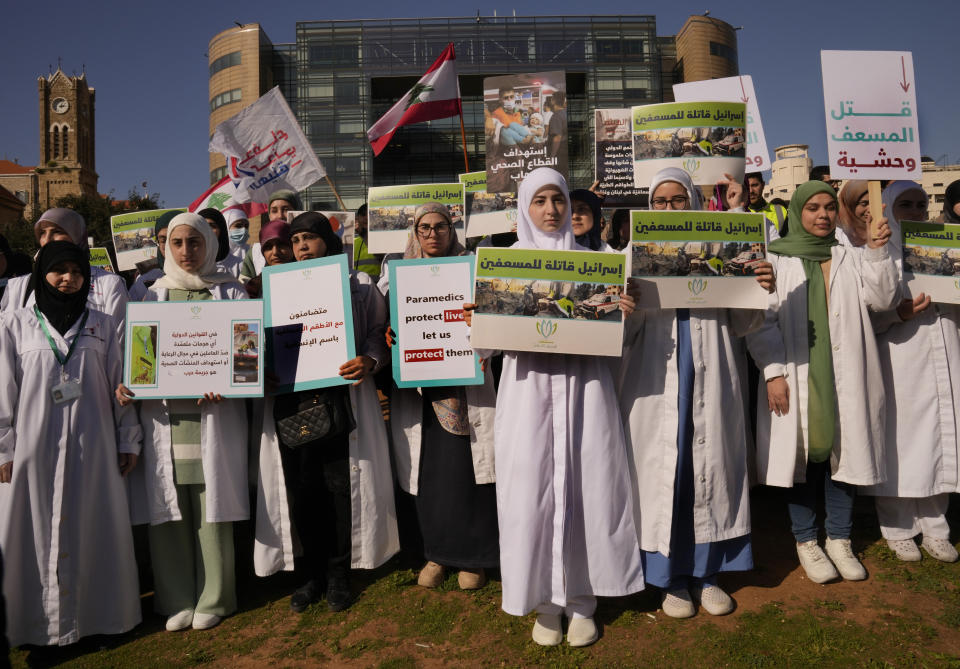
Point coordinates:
[(67, 138)]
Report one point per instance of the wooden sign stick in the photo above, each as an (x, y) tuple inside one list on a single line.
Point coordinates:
[(876, 208)]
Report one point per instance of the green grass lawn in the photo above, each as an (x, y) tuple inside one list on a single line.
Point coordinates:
[(904, 615)]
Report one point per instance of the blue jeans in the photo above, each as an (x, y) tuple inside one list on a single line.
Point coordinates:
[(513, 134), (802, 505)]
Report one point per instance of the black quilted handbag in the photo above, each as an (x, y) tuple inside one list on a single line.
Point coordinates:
[(312, 417)]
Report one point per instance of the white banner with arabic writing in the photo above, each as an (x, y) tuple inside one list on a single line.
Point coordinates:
[(266, 150), (870, 102)]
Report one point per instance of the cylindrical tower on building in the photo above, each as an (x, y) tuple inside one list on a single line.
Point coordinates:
[(706, 49)]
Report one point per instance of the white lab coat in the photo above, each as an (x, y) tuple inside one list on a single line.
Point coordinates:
[(649, 385), (563, 484), (375, 538), (223, 448), (406, 414), (69, 567), (860, 281), (920, 362), (108, 295)]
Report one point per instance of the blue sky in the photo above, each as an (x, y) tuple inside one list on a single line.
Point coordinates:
[(147, 62)]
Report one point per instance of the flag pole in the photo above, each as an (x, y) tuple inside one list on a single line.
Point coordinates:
[(335, 193), (463, 135)]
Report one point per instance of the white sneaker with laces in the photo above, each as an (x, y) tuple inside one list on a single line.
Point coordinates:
[(906, 549), (846, 562), (677, 603), (941, 549), (818, 567), (713, 599)]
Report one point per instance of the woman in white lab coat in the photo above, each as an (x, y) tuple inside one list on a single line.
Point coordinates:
[(683, 415), (920, 358), (192, 483), (64, 445), (821, 410), (567, 530)]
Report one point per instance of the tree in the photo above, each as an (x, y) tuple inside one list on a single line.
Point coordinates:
[(96, 211), (143, 202)]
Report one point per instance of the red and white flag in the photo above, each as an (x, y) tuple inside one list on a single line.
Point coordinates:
[(220, 196), (436, 95)]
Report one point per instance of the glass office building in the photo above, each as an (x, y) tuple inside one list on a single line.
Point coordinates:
[(341, 76)]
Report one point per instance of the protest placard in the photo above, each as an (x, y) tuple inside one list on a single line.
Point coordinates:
[(133, 237), (870, 104), (613, 159), (426, 311), (705, 139), (487, 213), (548, 301), (733, 89), (185, 349), (697, 259), (100, 257), (931, 260), (309, 318), (390, 212), (525, 126)]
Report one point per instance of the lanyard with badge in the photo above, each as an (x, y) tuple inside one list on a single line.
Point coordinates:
[(68, 389)]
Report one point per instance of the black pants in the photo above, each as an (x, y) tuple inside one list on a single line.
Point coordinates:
[(318, 485)]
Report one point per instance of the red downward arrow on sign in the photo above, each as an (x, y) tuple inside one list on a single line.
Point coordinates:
[(903, 84), (744, 99)]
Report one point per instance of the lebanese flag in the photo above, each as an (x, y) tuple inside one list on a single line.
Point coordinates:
[(436, 95), (220, 196)]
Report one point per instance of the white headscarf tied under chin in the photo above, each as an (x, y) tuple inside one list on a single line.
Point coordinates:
[(178, 278), (890, 194), (528, 234), (679, 176)]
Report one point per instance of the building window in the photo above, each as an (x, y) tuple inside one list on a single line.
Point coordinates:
[(66, 141), (724, 51), (938, 185), (225, 99), (217, 174), (56, 142), (223, 62), (23, 196), (619, 49)]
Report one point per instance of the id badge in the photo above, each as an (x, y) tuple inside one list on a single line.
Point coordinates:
[(65, 391)]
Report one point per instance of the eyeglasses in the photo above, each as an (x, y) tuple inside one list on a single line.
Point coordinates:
[(439, 230), (676, 202)]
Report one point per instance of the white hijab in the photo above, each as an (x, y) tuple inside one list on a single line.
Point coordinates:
[(679, 176), (890, 194), (528, 234), (178, 278)]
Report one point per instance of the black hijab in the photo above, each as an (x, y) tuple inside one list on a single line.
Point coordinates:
[(317, 223), (60, 310), (950, 199), (592, 239), (223, 237)]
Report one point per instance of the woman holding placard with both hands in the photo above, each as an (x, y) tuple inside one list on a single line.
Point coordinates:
[(824, 391), (681, 402), (563, 488), (919, 346), (192, 483), (443, 445), (340, 483), (64, 446)]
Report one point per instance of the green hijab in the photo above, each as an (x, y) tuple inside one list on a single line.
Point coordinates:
[(821, 386)]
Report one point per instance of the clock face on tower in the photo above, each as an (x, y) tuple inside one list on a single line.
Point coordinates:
[(60, 105)]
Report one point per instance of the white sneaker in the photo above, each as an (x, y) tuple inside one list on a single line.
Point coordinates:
[(581, 632), (677, 603), (941, 549), (906, 549), (180, 620), (204, 621), (817, 565), (548, 631), (846, 562), (713, 599)]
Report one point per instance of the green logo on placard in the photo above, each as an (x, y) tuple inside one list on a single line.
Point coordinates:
[(697, 286), (435, 269), (546, 328), (691, 165), (196, 313), (306, 273), (956, 283)]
